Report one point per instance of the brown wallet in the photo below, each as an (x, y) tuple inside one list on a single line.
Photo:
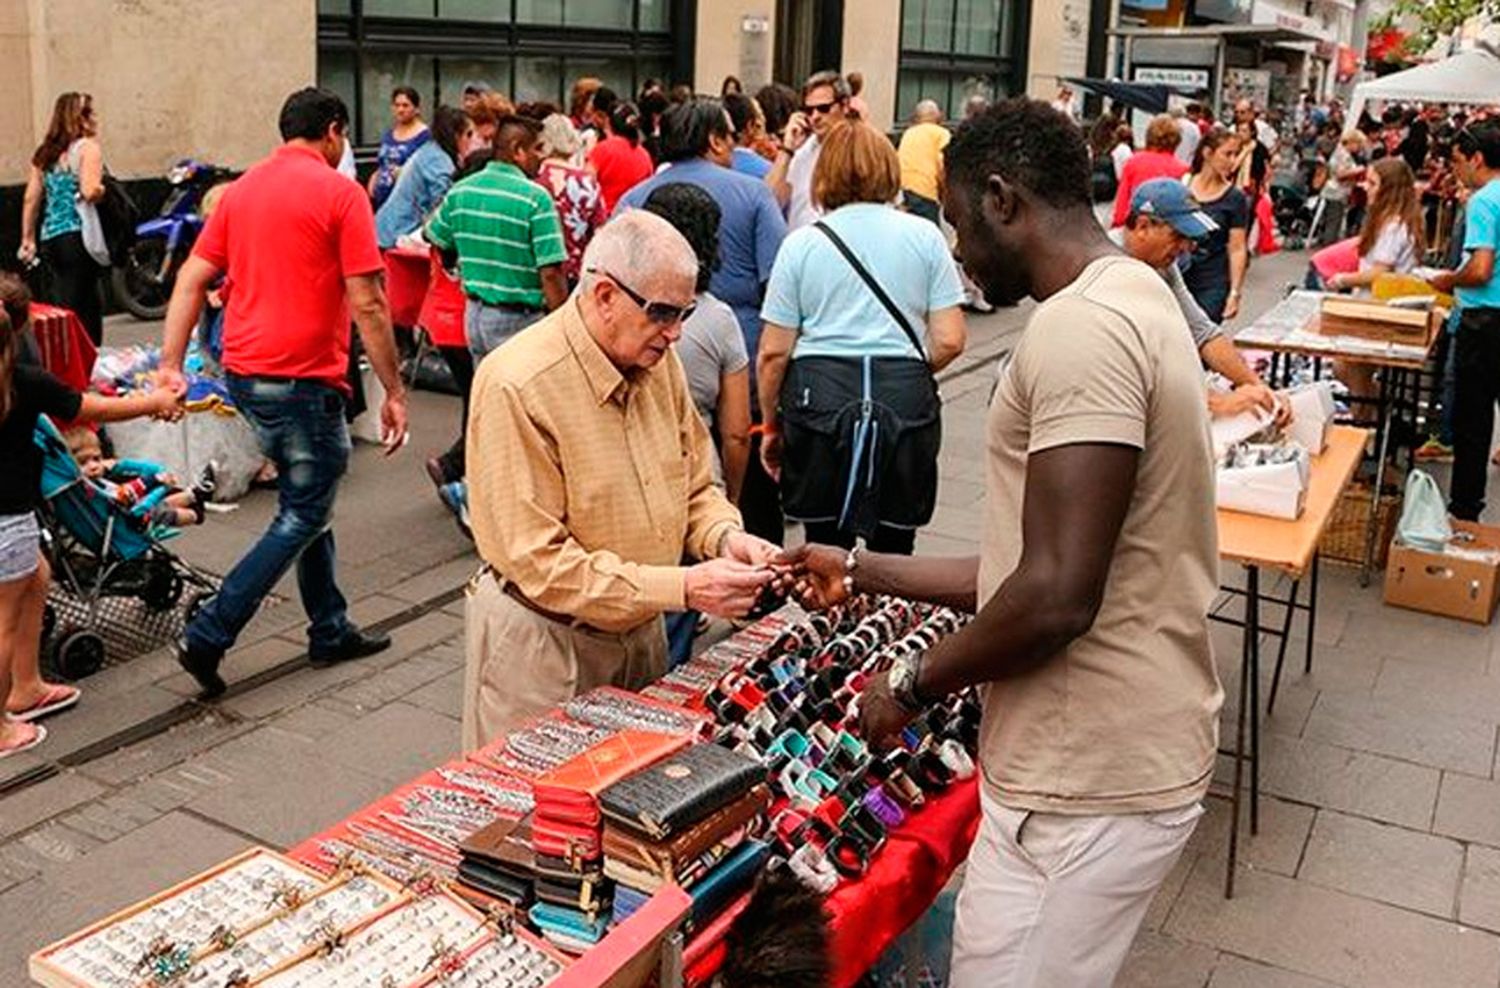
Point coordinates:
[(504, 845), (666, 858)]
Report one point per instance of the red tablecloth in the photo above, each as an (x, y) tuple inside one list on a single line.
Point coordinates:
[(422, 295), (67, 351)]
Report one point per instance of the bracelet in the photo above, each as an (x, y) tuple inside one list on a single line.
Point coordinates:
[(813, 869), (851, 563)]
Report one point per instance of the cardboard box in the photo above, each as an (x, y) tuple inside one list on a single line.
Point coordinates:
[(1312, 415), (1373, 320), (1463, 582)]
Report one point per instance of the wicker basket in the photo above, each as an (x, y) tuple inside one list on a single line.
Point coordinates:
[(1344, 539)]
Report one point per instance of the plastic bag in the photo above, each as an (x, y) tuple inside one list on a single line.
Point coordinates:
[(1424, 517)]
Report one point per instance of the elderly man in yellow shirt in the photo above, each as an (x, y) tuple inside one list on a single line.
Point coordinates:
[(921, 154), (591, 477)]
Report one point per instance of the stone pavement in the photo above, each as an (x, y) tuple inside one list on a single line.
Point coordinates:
[(1378, 861)]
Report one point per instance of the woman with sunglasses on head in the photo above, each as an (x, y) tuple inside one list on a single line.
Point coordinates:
[(66, 169), (861, 311)]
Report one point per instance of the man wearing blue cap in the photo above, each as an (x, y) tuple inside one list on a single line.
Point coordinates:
[(1163, 222)]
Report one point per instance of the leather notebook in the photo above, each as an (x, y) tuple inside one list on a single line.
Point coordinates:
[(677, 792), (668, 858)]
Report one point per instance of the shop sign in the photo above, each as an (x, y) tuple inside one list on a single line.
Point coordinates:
[(1182, 78), (1273, 15)]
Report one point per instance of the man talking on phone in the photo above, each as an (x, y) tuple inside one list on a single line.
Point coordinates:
[(296, 241), (825, 103)]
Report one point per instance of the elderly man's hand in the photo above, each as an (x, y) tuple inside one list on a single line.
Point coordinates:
[(751, 549), (725, 588)]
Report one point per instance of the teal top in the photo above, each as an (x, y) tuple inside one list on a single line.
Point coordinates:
[(1482, 233), (59, 203)]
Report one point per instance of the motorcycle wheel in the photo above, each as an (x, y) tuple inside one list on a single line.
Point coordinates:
[(135, 281)]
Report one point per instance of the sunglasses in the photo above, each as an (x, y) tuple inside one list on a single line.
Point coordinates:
[(819, 108), (660, 313)]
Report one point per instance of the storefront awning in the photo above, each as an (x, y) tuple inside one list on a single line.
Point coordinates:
[(1267, 33), (1148, 97)]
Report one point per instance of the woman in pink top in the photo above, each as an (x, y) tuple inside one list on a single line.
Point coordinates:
[(1157, 160), (618, 160)]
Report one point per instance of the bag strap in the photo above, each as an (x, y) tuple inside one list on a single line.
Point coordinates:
[(869, 280)]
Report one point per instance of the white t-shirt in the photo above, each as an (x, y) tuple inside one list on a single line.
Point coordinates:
[(1191, 135), (1395, 246), (1121, 154), (800, 210)]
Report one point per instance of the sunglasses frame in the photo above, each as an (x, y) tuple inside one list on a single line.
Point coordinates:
[(660, 313)]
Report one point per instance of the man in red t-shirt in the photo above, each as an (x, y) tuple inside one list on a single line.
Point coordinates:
[(295, 241)]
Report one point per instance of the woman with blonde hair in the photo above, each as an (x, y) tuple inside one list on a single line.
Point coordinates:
[(861, 310), (66, 168)]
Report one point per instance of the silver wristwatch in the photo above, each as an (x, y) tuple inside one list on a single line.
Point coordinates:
[(903, 680)]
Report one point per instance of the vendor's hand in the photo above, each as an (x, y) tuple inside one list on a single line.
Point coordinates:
[(1225, 404), (881, 715), (1283, 411), (770, 454), (171, 379), (819, 572), (1231, 306), (725, 588), (393, 425), (1443, 281), (164, 405), (750, 549)]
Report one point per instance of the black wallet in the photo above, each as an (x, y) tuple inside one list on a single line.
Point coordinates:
[(678, 792), (492, 881), (587, 896)]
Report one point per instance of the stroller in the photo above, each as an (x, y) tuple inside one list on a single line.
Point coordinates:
[(98, 549), (1295, 202)]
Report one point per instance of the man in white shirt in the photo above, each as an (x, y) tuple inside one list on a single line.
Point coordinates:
[(825, 102), (1191, 135)]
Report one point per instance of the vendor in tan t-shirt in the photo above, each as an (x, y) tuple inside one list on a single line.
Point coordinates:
[(1098, 562)]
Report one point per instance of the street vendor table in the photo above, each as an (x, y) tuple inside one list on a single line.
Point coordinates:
[(1257, 543), (67, 352), (1290, 327), (425, 298)]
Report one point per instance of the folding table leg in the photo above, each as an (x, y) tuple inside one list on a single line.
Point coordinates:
[(1387, 401), (1286, 633), (1239, 762), (1252, 635), (1312, 615)]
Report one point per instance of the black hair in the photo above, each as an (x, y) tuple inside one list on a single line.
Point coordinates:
[(1482, 138), (1026, 142), (505, 137), (778, 102), (410, 92), (696, 216), (308, 113), (537, 110), (605, 100), (741, 110), (448, 125), (732, 85), (653, 104), (687, 128), (625, 120), (782, 938)]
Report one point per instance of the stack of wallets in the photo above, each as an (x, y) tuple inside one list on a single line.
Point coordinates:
[(690, 820), (572, 896), (499, 861)]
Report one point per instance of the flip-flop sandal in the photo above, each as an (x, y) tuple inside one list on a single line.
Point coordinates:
[(58, 697), (36, 739)]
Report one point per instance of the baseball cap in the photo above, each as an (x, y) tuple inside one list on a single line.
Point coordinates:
[(475, 86), (1169, 200)]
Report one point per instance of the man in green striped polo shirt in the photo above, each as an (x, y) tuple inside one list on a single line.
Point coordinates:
[(508, 238)]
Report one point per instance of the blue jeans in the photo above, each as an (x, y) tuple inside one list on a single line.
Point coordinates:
[(301, 428), (488, 326)]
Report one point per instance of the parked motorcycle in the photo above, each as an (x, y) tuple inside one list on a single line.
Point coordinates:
[(143, 280)]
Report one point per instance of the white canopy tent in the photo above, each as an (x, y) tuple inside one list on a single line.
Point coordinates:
[(1468, 77)]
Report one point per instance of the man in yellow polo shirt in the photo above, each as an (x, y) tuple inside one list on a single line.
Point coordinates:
[(921, 154)]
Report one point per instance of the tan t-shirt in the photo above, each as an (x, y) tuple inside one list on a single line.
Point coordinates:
[(1125, 720)]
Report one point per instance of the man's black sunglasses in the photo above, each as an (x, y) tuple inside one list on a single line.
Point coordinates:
[(824, 108), (661, 313)]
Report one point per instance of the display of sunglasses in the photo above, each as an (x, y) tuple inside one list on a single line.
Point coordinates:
[(661, 313), (814, 108)]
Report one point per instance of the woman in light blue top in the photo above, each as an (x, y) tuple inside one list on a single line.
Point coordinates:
[(426, 177), (66, 168), (850, 407), (400, 141)]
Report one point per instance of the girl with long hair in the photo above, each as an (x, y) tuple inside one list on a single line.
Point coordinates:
[(1216, 271), (26, 392), (1393, 234), (66, 167)]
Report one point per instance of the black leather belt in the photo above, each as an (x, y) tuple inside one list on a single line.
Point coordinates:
[(514, 593)]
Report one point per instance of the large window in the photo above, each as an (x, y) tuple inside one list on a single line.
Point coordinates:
[(954, 49), (526, 49)]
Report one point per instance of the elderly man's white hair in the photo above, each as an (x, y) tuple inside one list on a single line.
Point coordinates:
[(639, 248), (927, 111)]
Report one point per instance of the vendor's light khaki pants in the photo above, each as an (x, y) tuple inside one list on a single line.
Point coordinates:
[(519, 664), (1059, 906)]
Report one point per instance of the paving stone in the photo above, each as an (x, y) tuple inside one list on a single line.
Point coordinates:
[(389, 685), (1446, 645), (1350, 781), (1341, 938), (282, 788), (1479, 894), (1278, 846), (443, 696), (1236, 972), (97, 823), (96, 718), (40, 801), (294, 689), (1169, 891), (312, 721), (56, 843), (431, 583), (129, 808), (1468, 809), (1156, 961), (15, 766), (418, 636), (1390, 727), (242, 663), (177, 744), (395, 743), (1378, 861), (1419, 687)]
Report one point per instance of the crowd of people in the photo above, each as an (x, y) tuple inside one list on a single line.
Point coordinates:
[(693, 319)]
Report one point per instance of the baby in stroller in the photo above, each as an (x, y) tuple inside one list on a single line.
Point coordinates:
[(152, 494)]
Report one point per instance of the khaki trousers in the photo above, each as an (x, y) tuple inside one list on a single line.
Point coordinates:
[(1052, 901), (518, 664)]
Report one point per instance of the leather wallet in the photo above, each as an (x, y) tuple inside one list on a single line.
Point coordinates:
[(577, 844), (725, 883), (566, 924), (491, 881), (504, 846), (681, 790), (579, 780), (667, 859), (589, 896)]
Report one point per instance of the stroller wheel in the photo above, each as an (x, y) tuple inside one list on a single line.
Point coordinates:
[(78, 654), (163, 588), (49, 622)]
